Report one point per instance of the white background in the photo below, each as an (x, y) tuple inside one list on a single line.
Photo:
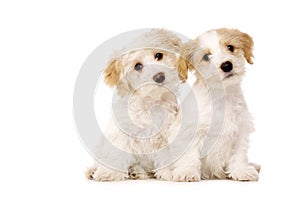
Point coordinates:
[(42, 47)]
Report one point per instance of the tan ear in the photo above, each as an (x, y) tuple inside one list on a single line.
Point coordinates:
[(112, 73), (185, 59), (182, 68), (247, 43)]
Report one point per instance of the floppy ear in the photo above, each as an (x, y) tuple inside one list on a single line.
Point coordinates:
[(112, 73), (113, 77), (247, 44), (185, 59), (182, 68)]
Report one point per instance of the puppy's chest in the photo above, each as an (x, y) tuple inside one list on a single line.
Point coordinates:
[(154, 114), (154, 122), (232, 114)]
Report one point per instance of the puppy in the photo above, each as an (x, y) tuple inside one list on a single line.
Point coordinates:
[(145, 108), (218, 57)]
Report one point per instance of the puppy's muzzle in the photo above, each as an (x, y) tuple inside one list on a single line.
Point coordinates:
[(226, 66), (159, 77)]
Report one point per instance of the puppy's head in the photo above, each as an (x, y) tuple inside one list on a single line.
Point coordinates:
[(153, 65), (220, 52)]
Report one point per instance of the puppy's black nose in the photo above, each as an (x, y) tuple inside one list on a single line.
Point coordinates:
[(226, 66), (159, 77)]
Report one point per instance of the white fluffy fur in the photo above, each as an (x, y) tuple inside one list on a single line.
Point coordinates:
[(218, 89)]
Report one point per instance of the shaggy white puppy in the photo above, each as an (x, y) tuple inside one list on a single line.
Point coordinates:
[(218, 57), (146, 113)]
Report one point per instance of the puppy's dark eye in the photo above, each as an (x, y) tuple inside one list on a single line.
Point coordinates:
[(138, 66), (230, 48), (158, 56), (206, 57)]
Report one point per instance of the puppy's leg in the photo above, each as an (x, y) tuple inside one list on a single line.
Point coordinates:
[(99, 172), (238, 167), (186, 168)]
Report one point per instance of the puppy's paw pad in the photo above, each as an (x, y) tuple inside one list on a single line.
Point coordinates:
[(248, 173)]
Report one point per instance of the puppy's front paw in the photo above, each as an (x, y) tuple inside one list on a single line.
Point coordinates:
[(179, 174), (105, 174), (246, 173), (137, 172), (164, 174), (90, 172), (186, 174)]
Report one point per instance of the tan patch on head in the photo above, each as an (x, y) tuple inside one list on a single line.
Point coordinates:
[(113, 72), (240, 41)]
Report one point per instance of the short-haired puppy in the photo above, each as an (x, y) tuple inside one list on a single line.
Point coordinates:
[(218, 59), (145, 109)]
